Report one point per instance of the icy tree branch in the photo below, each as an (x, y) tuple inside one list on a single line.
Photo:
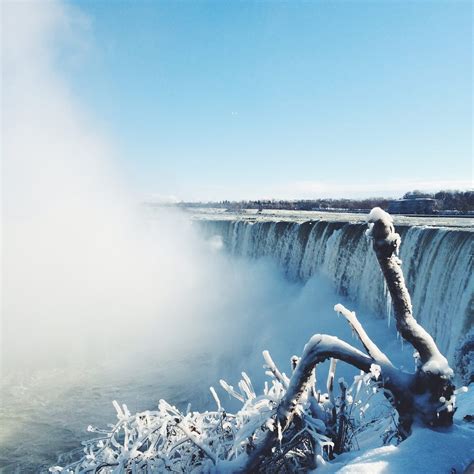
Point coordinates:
[(195, 441), (371, 348), (317, 350), (386, 243), (274, 369)]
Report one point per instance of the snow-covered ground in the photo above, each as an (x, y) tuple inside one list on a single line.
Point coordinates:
[(439, 451)]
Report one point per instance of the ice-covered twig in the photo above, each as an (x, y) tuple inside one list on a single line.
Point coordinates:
[(216, 398), (194, 440), (371, 348), (230, 390), (330, 388), (283, 379), (341, 429)]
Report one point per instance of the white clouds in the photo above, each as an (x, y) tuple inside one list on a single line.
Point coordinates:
[(379, 187), (324, 189)]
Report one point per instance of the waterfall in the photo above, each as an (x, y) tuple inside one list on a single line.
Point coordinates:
[(437, 263)]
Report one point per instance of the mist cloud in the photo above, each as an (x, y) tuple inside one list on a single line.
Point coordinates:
[(87, 274)]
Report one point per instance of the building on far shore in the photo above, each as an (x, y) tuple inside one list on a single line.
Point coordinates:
[(413, 205)]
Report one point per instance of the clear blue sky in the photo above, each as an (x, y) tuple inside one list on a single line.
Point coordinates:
[(215, 100)]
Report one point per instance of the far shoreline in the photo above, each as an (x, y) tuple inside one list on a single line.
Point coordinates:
[(465, 222)]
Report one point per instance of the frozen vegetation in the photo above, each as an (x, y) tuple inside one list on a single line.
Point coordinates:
[(299, 422), (168, 440)]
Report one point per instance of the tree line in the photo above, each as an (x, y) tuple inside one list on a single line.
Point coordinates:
[(459, 201)]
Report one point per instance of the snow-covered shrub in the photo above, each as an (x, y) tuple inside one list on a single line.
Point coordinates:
[(167, 439)]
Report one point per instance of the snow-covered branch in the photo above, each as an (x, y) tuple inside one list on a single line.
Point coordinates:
[(386, 243), (317, 350), (377, 355)]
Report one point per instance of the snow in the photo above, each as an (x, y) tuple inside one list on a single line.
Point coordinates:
[(375, 371), (426, 450), (378, 214), (438, 365)]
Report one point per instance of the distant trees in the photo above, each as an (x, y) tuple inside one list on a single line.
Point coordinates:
[(362, 205), (462, 201), (416, 194), (459, 201)]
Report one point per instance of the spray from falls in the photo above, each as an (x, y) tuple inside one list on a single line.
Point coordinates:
[(101, 299)]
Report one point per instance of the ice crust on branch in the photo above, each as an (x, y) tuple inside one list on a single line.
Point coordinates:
[(378, 214), (370, 347), (386, 243)]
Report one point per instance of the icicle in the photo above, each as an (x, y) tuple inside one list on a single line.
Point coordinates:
[(216, 398), (388, 302)]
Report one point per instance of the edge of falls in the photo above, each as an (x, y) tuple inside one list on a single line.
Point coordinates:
[(437, 263)]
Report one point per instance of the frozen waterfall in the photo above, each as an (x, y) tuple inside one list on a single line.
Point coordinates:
[(437, 263)]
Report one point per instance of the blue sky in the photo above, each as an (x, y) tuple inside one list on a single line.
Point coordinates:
[(215, 100)]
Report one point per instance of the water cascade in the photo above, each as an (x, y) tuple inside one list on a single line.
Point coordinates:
[(437, 264)]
